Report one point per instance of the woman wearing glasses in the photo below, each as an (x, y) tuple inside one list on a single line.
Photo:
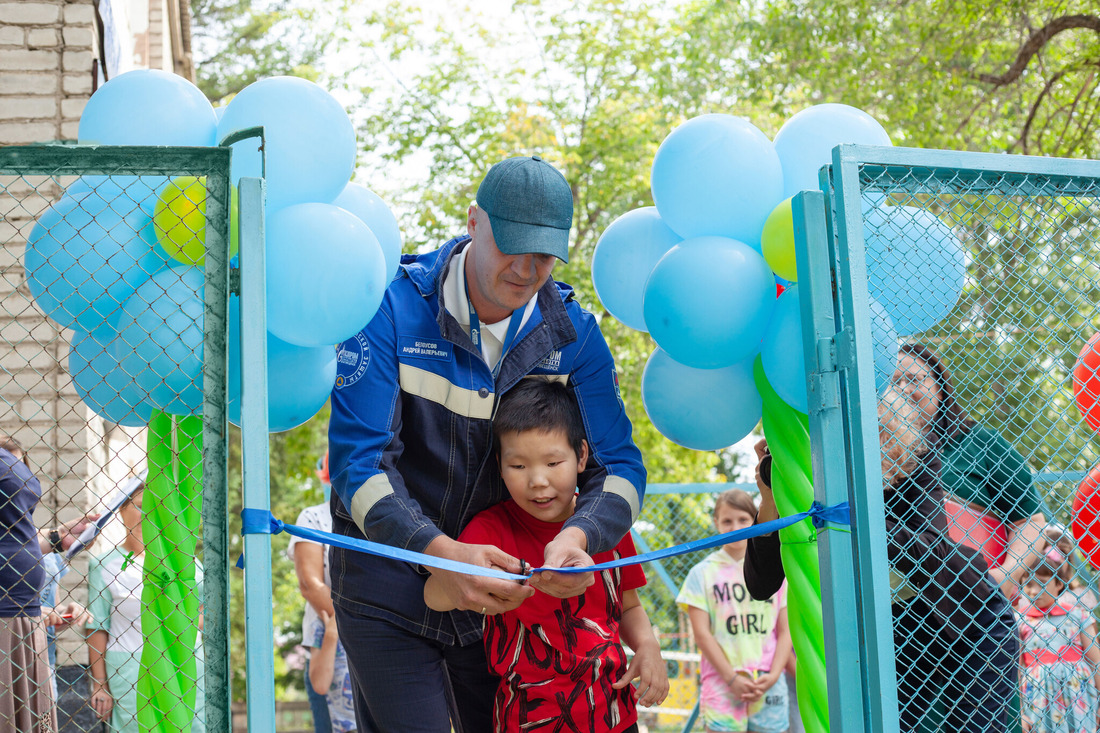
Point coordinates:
[(991, 500)]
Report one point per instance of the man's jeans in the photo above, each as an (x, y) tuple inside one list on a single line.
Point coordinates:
[(405, 683)]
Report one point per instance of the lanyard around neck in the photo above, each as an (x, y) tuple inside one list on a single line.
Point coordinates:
[(475, 328)]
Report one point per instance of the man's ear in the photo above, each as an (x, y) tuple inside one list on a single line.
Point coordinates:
[(471, 219), (582, 459)]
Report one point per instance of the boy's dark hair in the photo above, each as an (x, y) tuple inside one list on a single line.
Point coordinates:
[(542, 405)]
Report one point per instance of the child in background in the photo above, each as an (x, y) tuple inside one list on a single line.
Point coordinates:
[(1057, 537), (1061, 663), (745, 644), (329, 674), (560, 660)]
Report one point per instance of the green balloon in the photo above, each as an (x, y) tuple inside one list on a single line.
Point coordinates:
[(168, 679), (788, 435)]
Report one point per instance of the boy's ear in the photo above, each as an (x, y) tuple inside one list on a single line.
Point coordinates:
[(582, 460)]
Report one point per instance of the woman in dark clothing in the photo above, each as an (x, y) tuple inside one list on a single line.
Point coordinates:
[(984, 478), (953, 630)]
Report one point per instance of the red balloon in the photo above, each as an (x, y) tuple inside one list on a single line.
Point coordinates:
[(1086, 382), (1086, 517), (778, 290)]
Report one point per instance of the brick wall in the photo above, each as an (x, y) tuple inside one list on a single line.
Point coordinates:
[(46, 51)]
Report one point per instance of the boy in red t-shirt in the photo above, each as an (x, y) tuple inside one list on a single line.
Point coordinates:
[(558, 658)]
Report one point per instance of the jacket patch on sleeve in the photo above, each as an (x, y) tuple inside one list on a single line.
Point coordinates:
[(352, 361)]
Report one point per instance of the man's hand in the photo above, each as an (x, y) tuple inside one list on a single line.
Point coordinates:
[(449, 590), (567, 550)]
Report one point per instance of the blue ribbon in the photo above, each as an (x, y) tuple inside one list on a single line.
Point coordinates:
[(261, 521)]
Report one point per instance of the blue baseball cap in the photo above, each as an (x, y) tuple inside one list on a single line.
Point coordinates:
[(530, 207)]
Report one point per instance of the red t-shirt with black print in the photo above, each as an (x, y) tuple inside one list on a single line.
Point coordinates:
[(557, 658)]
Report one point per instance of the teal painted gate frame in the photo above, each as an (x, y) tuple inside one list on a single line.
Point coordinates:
[(832, 272)]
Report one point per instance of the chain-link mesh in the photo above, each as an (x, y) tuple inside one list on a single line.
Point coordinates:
[(673, 515), (991, 282), (114, 340)]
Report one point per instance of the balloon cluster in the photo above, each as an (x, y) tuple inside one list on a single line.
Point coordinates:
[(709, 271), (1086, 504), (120, 259)]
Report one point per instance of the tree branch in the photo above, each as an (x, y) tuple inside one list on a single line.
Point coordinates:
[(1022, 142), (1035, 43)]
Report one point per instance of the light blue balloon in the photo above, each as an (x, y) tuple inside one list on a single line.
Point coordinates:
[(717, 175), (160, 343), (87, 255), (326, 274), (299, 378), (884, 345), (625, 256), (310, 141), (916, 267), (708, 302), (784, 360), (122, 194), (805, 142), (148, 107), (702, 409), (370, 207), (782, 353), (100, 381)]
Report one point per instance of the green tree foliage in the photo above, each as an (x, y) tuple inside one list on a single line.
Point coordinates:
[(240, 41), (1016, 76), (595, 85), (294, 486)]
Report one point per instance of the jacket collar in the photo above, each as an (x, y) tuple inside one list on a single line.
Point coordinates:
[(426, 271), (548, 328)]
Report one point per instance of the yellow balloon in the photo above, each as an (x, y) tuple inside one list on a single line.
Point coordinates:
[(179, 219), (777, 241)]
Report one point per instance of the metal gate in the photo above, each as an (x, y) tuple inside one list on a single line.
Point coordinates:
[(991, 266), (86, 214)]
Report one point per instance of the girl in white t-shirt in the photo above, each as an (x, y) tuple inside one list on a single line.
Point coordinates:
[(115, 583)]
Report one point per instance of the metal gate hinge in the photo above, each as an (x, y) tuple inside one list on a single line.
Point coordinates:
[(835, 352)]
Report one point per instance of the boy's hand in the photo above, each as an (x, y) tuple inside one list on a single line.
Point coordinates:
[(649, 669), (564, 551)]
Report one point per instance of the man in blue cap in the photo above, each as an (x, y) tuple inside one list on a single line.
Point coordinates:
[(411, 449)]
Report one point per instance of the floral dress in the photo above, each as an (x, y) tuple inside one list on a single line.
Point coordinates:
[(1059, 695)]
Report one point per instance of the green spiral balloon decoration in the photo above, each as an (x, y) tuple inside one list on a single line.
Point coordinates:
[(168, 679), (788, 434)]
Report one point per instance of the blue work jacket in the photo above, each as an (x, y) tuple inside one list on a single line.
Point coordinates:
[(411, 440)]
